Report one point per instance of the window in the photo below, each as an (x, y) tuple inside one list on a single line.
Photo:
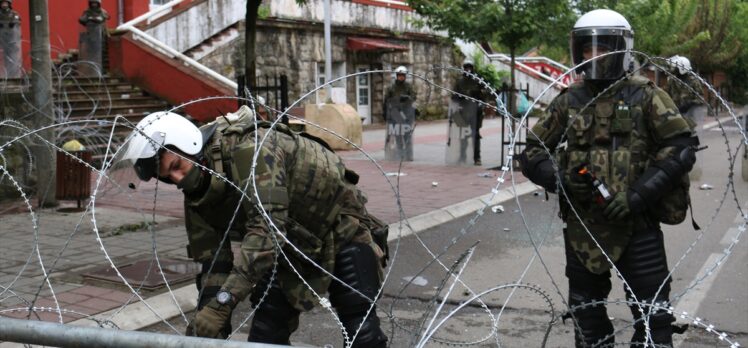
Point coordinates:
[(338, 70)]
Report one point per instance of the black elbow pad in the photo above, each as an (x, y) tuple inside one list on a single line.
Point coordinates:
[(540, 171), (660, 178)]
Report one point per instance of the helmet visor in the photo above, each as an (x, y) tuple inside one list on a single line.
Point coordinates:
[(589, 47), (139, 153)]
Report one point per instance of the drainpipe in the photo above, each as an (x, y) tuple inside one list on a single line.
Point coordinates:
[(328, 50), (121, 12)]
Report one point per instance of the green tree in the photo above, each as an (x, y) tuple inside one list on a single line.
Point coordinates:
[(512, 23), (709, 40), (738, 72)]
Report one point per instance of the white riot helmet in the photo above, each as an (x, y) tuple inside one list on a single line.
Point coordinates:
[(401, 70), (680, 63), (599, 32), (151, 135), (468, 62)]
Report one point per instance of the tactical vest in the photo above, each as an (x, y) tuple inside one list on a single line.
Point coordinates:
[(323, 197), (612, 136)]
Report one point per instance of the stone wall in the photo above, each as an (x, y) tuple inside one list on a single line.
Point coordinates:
[(296, 50)]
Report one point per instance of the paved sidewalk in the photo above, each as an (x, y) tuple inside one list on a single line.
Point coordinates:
[(428, 190)]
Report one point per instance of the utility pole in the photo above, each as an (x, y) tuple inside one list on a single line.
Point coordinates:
[(250, 41), (41, 85)]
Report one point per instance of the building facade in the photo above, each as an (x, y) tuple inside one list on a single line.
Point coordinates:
[(375, 36)]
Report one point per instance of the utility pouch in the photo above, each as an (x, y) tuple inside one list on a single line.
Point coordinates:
[(579, 127), (622, 123), (603, 113)]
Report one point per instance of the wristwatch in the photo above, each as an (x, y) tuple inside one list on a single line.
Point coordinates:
[(225, 297)]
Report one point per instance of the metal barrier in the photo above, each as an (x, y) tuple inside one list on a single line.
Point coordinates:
[(57, 335), (73, 177)]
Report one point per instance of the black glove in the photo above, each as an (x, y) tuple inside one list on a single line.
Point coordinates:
[(617, 208), (404, 97), (578, 188)]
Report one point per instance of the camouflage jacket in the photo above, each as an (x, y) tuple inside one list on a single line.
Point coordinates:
[(618, 135), (10, 17), (469, 87), (394, 94), (94, 16), (682, 92), (399, 89), (305, 196)]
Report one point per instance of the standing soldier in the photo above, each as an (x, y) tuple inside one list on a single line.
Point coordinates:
[(94, 14), (304, 192), (91, 42), (401, 89), (626, 153), (10, 40), (399, 117), (470, 87), (685, 89)]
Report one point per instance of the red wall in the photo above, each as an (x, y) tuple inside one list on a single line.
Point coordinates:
[(168, 79), (63, 22)]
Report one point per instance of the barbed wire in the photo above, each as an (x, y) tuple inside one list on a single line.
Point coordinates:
[(105, 138)]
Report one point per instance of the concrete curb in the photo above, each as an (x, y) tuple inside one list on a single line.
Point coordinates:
[(722, 120), (439, 216), (137, 316)]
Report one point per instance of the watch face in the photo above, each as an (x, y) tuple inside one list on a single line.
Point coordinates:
[(223, 297)]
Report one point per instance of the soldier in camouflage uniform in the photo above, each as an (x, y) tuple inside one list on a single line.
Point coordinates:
[(684, 88), (470, 87), (401, 88), (94, 14), (8, 14), (630, 136), (10, 38), (309, 197)]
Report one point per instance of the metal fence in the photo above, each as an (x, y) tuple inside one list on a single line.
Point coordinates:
[(273, 89)]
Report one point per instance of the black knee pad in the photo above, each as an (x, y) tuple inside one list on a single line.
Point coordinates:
[(592, 325), (357, 265), (370, 335), (660, 323), (272, 316)]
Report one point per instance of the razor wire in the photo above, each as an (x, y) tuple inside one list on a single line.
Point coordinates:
[(65, 124)]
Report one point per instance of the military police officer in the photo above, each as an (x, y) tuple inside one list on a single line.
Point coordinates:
[(470, 87), (8, 16), (400, 118), (301, 212), (622, 152), (400, 89), (10, 41), (94, 14)]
